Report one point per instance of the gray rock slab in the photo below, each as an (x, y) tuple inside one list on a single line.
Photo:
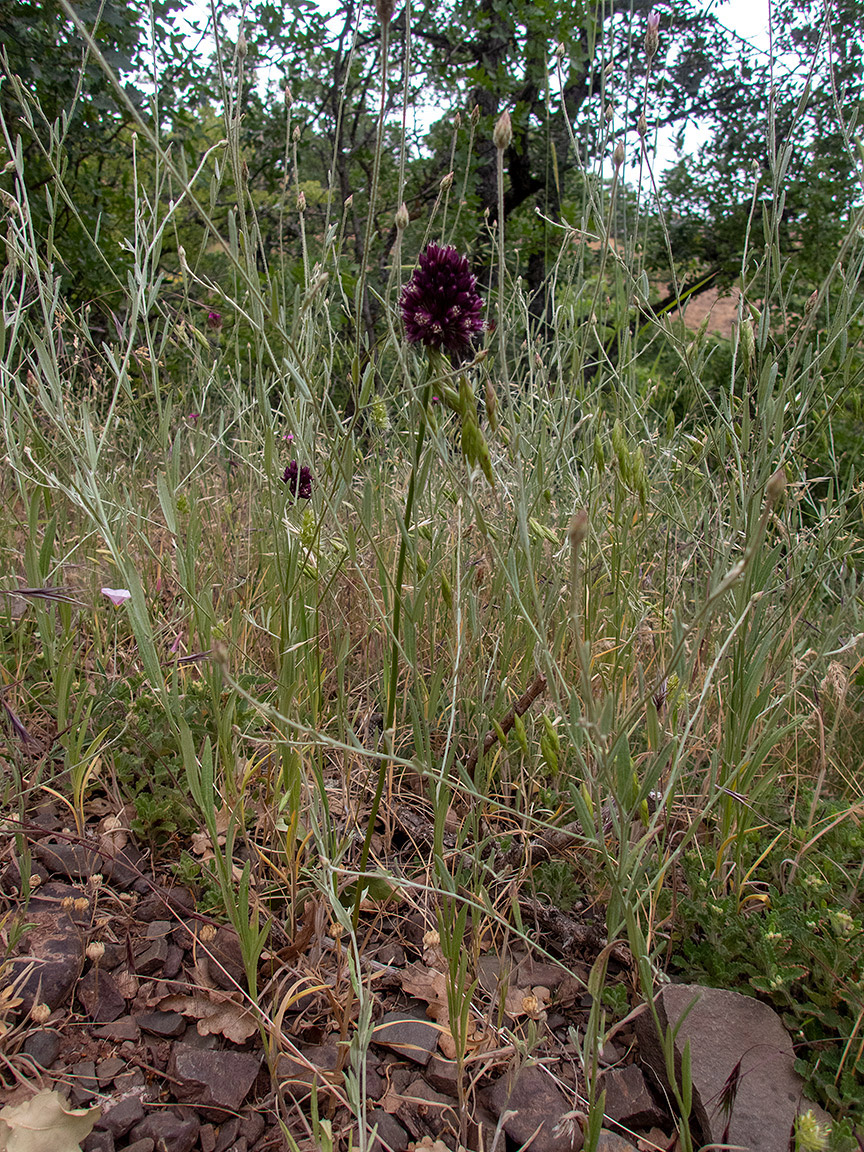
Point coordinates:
[(735, 1041), (408, 1036), (219, 1080), (539, 1110), (629, 1100)]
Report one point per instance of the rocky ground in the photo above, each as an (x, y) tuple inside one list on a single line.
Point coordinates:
[(124, 995)]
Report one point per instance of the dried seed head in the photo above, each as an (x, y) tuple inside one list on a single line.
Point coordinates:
[(242, 46), (578, 529), (39, 1013), (559, 52), (776, 486), (652, 34), (401, 219), (618, 155), (447, 182), (502, 137), (295, 135), (457, 121), (95, 951), (301, 201), (608, 113), (642, 126), (384, 8), (475, 115), (206, 933)]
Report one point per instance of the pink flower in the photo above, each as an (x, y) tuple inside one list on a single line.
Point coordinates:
[(214, 320), (193, 416), (117, 596)]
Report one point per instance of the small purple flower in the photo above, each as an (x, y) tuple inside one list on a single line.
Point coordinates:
[(193, 416), (214, 320), (299, 480), (441, 307), (117, 596)]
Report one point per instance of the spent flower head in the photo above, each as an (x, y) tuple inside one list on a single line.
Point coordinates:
[(441, 307), (299, 480), (652, 34)]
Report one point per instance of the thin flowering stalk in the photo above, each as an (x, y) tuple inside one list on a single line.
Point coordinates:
[(441, 309), (502, 138)]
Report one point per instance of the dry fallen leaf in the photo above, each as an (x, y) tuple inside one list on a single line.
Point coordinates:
[(45, 1124), (216, 1013)]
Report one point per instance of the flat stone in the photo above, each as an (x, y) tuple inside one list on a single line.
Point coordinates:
[(84, 1085), (167, 1131), (106, 1070), (390, 1133), (612, 1142), (219, 1080), (226, 959), (165, 1024), (228, 1133), (52, 953), (251, 1127), (119, 1030), (733, 1039), (120, 1116), (42, 1046), (76, 861), (207, 1138), (297, 1077), (150, 960), (442, 1074), (98, 1142), (99, 996), (629, 1100), (159, 900), (408, 1036), (145, 1145), (537, 1107), (173, 962), (440, 1112)]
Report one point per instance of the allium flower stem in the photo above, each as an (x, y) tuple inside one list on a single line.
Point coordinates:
[(393, 678), (502, 338)]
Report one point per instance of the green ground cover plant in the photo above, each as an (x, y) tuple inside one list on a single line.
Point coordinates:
[(598, 576)]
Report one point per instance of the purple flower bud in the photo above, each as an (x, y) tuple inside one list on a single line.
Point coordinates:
[(652, 34), (214, 320), (299, 480), (441, 307)]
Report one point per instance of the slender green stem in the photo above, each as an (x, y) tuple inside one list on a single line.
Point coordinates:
[(393, 683)]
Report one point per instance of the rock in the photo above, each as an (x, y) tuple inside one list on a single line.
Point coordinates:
[(628, 1099), (55, 897), (612, 1142), (228, 1133), (165, 1024), (439, 1112), (84, 1084), (656, 1138), (390, 1133), (226, 959), (207, 1138), (537, 1107), (99, 996), (219, 1080), (160, 900), (167, 1131), (734, 1040), (52, 954), (119, 1030), (74, 860), (98, 1142), (251, 1127), (408, 1036), (442, 1074), (173, 962), (42, 1046), (296, 1076), (106, 1070), (120, 1115), (145, 1145), (129, 1080)]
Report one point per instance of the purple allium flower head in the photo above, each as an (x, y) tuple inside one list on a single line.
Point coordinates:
[(299, 480), (440, 304)]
